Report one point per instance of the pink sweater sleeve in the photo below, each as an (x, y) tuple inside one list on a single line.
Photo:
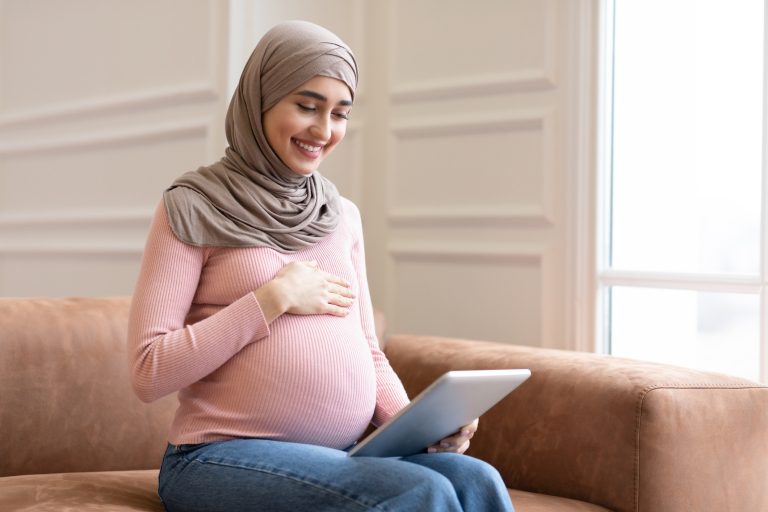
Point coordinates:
[(165, 354), (390, 394)]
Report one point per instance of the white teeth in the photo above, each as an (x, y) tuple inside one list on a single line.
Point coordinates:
[(313, 149)]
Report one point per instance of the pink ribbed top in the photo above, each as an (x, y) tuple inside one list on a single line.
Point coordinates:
[(196, 328)]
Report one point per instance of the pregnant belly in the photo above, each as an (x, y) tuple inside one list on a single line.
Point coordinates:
[(311, 385)]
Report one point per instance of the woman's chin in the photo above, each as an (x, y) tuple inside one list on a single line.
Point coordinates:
[(303, 172)]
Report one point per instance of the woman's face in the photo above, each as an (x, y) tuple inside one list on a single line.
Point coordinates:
[(305, 126)]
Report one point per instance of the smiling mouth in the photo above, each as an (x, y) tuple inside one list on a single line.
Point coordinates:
[(309, 148)]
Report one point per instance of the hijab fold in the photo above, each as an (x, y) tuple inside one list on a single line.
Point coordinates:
[(250, 198)]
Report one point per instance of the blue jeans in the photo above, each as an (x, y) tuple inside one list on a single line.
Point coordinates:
[(275, 476)]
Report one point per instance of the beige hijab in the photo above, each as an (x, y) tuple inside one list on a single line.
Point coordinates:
[(250, 198)]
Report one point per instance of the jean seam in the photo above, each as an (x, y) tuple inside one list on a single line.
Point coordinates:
[(292, 477)]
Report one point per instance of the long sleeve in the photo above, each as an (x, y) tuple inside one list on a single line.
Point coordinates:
[(165, 354), (390, 394), (196, 327)]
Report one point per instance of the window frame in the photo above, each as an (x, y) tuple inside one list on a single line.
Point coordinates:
[(606, 277)]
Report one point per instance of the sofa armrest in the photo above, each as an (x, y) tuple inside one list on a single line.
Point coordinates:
[(623, 434)]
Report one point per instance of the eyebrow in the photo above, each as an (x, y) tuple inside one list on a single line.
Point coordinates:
[(318, 96)]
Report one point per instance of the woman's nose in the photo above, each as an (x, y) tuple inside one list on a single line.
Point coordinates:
[(321, 128)]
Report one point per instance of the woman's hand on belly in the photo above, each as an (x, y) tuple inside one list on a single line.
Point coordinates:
[(300, 288)]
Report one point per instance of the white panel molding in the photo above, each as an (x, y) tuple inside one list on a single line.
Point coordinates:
[(207, 90), (480, 85), (184, 94), (541, 215), (138, 216), (551, 291), (90, 140), (218, 50), (459, 216), (541, 78), (442, 252), (354, 140), (356, 128), (511, 254), (359, 10), (479, 253), (111, 249), (584, 145), (186, 108), (49, 223), (218, 45), (470, 123)]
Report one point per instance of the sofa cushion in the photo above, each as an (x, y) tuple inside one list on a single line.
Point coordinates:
[(532, 502), (137, 490), (109, 490)]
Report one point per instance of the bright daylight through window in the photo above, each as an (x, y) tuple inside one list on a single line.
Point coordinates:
[(683, 274)]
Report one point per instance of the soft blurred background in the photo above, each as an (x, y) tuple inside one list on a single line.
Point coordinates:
[(578, 174), (461, 152)]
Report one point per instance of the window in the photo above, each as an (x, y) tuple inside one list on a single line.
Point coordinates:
[(683, 276)]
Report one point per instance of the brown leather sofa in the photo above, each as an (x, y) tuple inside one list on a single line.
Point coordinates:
[(585, 433)]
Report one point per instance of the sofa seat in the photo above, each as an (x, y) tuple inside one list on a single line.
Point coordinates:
[(535, 502), (103, 490), (137, 491)]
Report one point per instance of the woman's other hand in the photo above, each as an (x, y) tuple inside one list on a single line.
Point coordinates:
[(301, 288), (457, 443)]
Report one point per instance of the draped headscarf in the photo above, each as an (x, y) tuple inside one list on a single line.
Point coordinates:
[(250, 198)]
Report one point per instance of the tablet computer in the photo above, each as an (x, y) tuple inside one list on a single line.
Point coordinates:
[(455, 399)]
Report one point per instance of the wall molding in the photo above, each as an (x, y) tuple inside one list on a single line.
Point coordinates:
[(91, 218), (529, 80), (116, 137), (535, 79), (541, 215), (49, 225), (475, 254), (107, 105), (89, 246), (584, 136), (427, 126), (85, 250), (457, 217), (356, 172), (478, 253)]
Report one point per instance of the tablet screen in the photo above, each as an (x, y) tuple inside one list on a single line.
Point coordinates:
[(455, 399)]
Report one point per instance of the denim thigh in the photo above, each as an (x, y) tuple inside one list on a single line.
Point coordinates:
[(478, 485), (276, 476)]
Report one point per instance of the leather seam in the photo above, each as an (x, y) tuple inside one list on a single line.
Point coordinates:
[(639, 414)]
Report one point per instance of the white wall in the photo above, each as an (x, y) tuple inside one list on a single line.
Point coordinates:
[(477, 167), (466, 150), (102, 104)]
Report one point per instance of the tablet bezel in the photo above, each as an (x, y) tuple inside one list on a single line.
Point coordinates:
[(453, 400)]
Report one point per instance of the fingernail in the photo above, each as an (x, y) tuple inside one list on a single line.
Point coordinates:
[(445, 445)]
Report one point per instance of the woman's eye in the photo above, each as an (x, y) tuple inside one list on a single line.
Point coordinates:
[(305, 108), (341, 115)]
